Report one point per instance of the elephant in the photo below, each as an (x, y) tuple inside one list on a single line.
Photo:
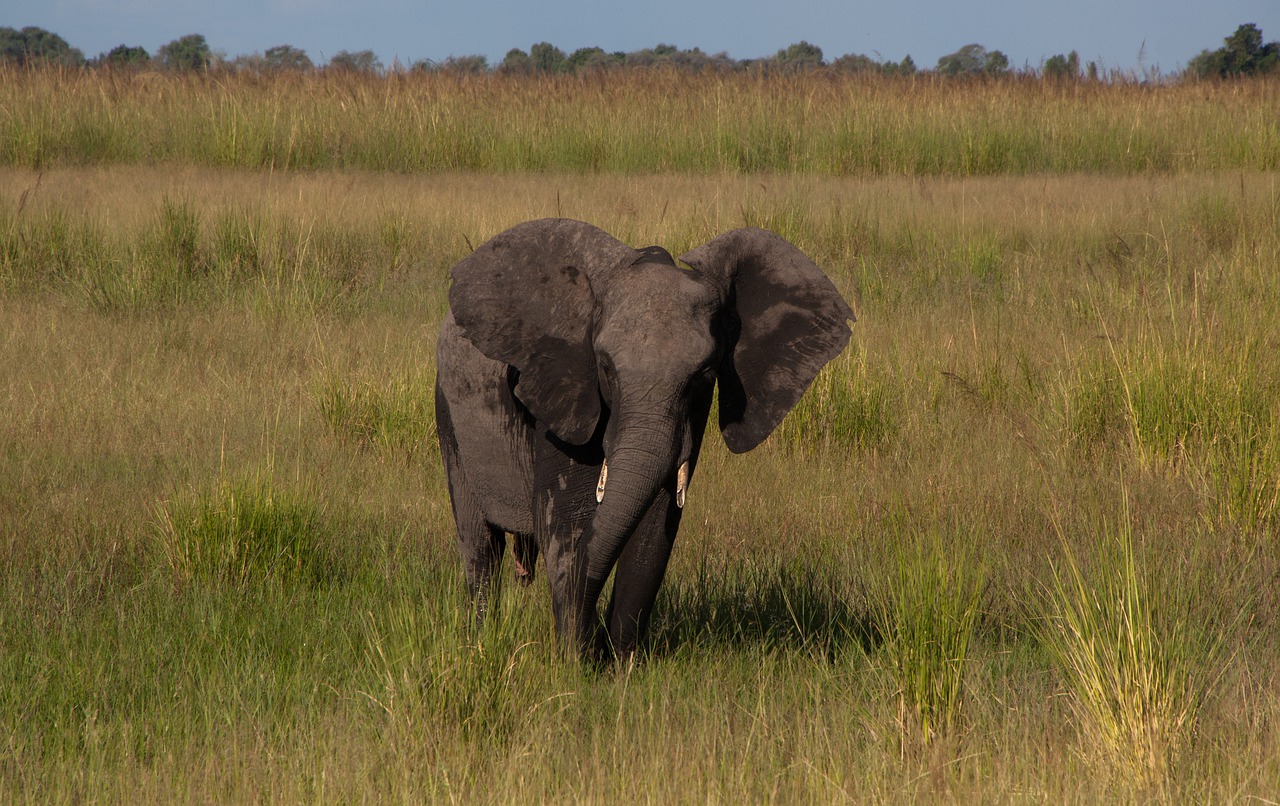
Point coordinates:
[(575, 377)]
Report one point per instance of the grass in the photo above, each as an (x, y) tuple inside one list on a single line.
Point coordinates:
[(396, 417), (1136, 665), (740, 123), (844, 409), (244, 533), (928, 614), (231, 567)]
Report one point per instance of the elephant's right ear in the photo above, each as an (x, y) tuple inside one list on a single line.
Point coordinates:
[(524, 298)]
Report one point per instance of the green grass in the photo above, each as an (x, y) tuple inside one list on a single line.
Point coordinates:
[(811, 123), (1135, 662), (928, 614), (243, 533), (844, 409), (396, 417), (231, 573)]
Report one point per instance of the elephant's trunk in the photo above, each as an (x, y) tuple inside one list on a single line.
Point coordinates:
[(639, 465)]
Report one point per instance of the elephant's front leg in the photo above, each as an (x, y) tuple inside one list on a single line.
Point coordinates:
[(639, 574), (563, 507)]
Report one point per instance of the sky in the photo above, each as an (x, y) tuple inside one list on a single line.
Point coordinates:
[(1117, 34)]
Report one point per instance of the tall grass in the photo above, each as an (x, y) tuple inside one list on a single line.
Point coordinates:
[(1136, 665), (633, 121), (245, 532), (928, 613), (844, 409), (179, 624), (1201, 411), (396, 417)]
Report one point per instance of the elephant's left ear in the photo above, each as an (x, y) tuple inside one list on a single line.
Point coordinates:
[(791, 322)]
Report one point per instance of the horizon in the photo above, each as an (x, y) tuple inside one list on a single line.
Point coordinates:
[(402, 33)]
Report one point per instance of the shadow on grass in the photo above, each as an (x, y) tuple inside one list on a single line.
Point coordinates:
[(771, 607)]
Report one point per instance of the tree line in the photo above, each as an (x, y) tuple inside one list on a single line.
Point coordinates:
[(1243, 53)]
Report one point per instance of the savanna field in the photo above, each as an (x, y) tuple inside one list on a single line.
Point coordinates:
[(1019, 543)]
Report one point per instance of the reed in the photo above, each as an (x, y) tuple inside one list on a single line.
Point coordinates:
[(634, 121)]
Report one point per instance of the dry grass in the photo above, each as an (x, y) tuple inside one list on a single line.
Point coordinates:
[(634, 121), (1000, 320)]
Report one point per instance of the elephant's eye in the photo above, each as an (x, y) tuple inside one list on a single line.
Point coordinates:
[(704, 376)]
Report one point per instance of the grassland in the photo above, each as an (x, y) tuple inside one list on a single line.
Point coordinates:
[(1018, 543), (634, 122)]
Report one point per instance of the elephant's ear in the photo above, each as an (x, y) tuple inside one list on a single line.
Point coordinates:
[(524, 298), (791, 321)]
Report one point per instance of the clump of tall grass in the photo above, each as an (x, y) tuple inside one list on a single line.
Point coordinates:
[(847, 408), (437, 677), (245, 531), (928, 612), (1189, 411), (393, 417), (1135, 663)]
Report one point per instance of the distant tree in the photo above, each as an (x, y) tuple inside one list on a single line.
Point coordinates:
[(855, 63), (997, 64), (122, 56), (973, 60), (860, 63), (1062, 67), (968, 60), (694, 60), (34, 45), (286, 57), (591, 59), (465, 65), (363, 61), (190, 52), (515, 62), (799, 56), (651, 57), (547, 58), (1244, 54)]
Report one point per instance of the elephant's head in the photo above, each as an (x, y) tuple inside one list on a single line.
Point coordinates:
[(621, 348)]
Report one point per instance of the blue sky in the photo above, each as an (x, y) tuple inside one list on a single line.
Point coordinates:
[(1125, 34)]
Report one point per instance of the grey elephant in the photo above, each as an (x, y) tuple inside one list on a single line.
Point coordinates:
[(574, 380)]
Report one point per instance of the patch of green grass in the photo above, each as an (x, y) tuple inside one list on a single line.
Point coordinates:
[(394, 417), (245, 532), (1136, 665), (928, 613), (434, 672), (1192, 411), (847, 408)]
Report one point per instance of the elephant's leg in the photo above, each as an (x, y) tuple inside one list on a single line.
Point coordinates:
[(639, 574), (482, 545), (562, 533), (525, 549)]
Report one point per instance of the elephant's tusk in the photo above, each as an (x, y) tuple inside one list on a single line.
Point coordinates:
[(604, 476), (682, 484)]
